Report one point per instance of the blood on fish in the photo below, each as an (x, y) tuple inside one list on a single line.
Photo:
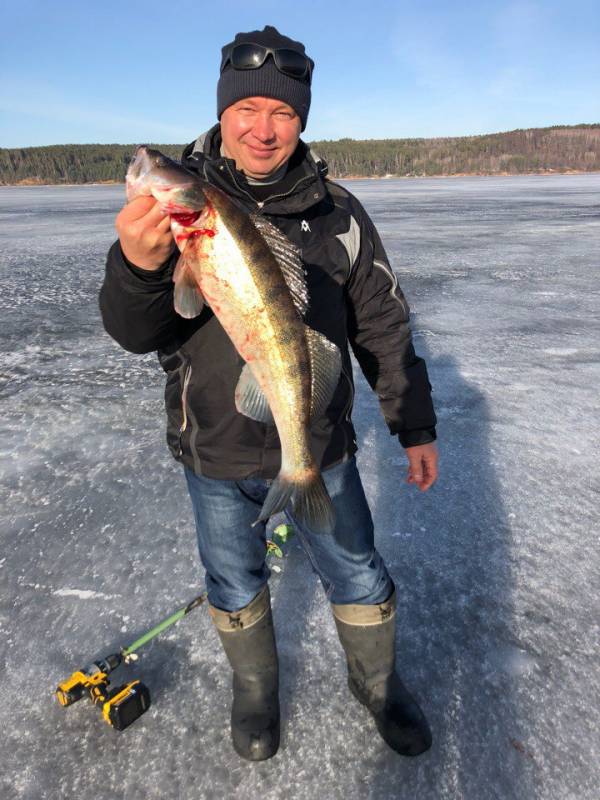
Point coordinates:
[(202, 232), (186, 219), (194, 234)]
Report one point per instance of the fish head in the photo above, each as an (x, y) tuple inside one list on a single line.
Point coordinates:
[(177, 189)]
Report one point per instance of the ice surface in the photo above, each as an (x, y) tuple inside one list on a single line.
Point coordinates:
[(497, 567)]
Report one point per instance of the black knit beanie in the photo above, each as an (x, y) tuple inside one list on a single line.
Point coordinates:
[(267, 81)]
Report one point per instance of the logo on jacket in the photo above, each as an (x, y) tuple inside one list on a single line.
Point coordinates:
[(304, 226)]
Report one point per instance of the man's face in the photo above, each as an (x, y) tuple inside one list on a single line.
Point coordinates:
[(260, 134)]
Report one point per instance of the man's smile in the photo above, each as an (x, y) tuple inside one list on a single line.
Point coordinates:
[(263, 152)]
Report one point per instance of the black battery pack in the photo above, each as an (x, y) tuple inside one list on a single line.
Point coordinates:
[(126, 704)]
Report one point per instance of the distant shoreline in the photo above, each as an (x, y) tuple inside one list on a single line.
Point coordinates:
[(30, 184), (554, 150), (469, 175)]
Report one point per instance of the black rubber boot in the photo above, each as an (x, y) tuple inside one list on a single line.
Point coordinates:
[(367, 634), (249, 642)]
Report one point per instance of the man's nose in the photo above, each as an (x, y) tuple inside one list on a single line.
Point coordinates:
[(263, 128)]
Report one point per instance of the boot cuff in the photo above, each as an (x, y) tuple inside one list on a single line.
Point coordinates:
[(229, 621), (356, 614)]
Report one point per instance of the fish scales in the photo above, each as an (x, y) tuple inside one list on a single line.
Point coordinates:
[(254, 306)]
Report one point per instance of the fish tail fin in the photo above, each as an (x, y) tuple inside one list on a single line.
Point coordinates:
[(277, 498), (312, 506)]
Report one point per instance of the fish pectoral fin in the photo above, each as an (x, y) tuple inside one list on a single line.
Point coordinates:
[(188, 298), (250, 399), (325, 368)]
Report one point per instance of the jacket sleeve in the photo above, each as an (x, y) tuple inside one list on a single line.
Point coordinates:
[(380, 337), (137, 305)]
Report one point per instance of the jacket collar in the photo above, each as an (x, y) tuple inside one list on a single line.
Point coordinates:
[(302, 187)]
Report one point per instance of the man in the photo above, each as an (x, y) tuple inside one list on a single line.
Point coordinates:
[(257, 157)]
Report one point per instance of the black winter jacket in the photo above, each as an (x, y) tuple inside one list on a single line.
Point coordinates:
[(353, 298)]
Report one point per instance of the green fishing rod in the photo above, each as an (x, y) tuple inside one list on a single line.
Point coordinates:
[(129, 654), (120, 705)]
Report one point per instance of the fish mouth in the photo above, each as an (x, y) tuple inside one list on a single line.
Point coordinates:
[(139, 168), (144, 159), (151, 172)]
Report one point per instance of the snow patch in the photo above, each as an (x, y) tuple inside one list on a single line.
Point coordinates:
[(83, 594), (560, 351)]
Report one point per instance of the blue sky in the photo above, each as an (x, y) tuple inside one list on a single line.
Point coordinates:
[(146, 71)]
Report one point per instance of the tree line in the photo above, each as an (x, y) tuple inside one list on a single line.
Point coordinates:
[(558, 149), (553, 149)]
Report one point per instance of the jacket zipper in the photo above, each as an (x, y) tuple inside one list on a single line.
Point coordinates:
[(186, 381), (293, 189), (238, 186), (347, 411)]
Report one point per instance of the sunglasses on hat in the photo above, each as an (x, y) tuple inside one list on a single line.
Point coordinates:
[(252, 56)]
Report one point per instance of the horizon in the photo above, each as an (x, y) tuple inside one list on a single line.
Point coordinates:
[(100, 77), (340, 139)]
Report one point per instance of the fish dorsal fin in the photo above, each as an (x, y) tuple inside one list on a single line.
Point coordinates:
[(288, 256)]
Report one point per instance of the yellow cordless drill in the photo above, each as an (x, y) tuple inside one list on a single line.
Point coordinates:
[(120, 705)]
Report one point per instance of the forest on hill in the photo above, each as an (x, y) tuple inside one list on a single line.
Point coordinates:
[(533, 150), (556, 149)]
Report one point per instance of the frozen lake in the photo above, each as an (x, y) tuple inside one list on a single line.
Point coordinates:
[(497, 567)]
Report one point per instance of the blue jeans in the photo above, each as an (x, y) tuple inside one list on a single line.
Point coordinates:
[(233, 552)]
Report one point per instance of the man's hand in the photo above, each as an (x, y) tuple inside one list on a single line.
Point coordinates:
[(422, 465), (145, 233)]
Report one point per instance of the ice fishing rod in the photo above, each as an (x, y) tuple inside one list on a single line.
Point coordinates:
[(129, 653), (121, 705)]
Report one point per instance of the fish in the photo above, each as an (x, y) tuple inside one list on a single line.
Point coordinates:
[(253, 279)]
